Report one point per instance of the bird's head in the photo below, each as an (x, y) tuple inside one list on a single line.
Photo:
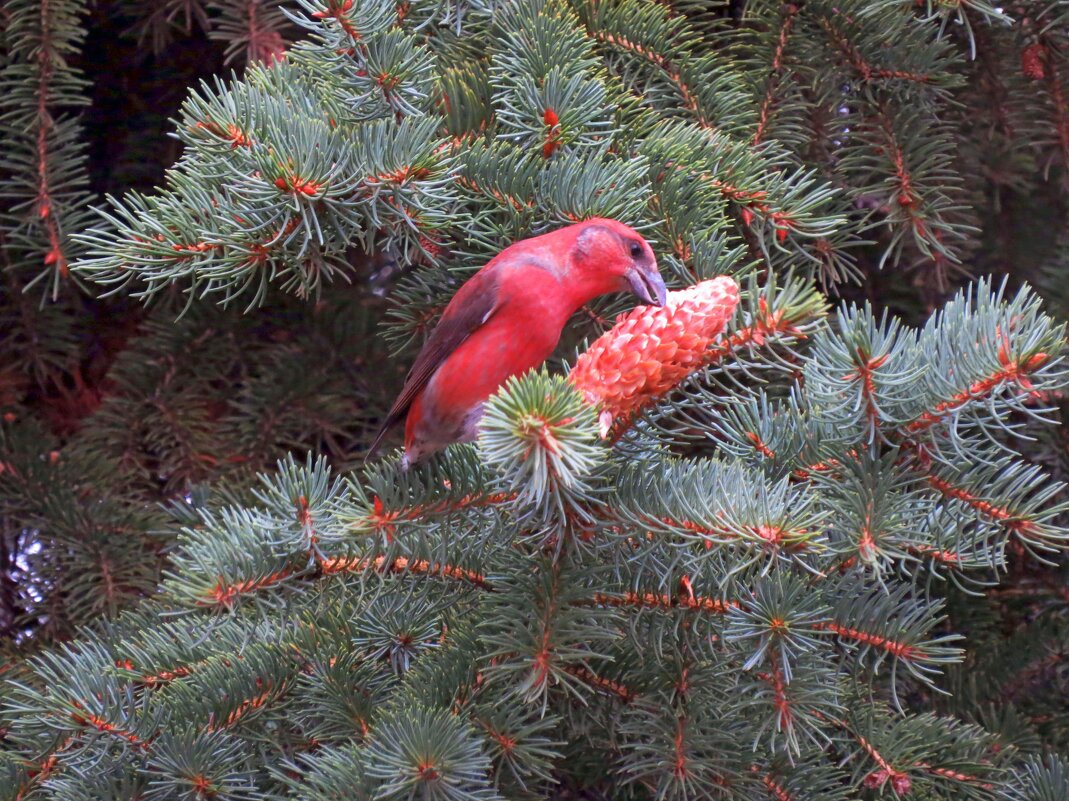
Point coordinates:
[(614, 257)]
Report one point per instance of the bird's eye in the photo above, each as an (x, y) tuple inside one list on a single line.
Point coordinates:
[(636, 250)]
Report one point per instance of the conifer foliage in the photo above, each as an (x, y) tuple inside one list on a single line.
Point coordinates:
[(760, 622), (42, 174), (723, 549)]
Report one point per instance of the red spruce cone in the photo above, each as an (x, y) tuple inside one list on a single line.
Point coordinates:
[(650, 350)]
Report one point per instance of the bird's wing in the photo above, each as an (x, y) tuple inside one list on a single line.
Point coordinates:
[(473, 304)]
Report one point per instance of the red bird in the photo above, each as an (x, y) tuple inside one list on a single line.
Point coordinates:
[(508, 318)]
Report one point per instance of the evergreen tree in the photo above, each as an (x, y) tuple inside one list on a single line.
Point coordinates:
[(764, 543)]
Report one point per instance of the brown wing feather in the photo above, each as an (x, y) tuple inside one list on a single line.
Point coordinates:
[(471, 306)]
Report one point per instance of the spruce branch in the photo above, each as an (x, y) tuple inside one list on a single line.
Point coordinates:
[(539, 435), (254, 30), (752, 592), (430, 752), (43, 179)]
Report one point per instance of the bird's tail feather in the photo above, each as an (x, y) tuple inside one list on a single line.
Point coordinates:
[(379, 437)]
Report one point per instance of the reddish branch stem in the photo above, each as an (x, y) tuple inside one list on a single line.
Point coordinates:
[(245, 707), (601, 683), (978, 389), (516, 203), (786, 25), (94, 722), (897, 649), (775, 679), (868, 385), (674, 75), (649, 600), (45, 205), (403, 564), (856, 60), (778, 791)]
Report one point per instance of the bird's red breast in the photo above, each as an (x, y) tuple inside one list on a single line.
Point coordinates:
[(507, 344)]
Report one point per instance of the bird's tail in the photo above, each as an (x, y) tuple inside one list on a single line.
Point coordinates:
[(377, 443)]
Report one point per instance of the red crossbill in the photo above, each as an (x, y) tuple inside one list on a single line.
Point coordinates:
[(508, 318)]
